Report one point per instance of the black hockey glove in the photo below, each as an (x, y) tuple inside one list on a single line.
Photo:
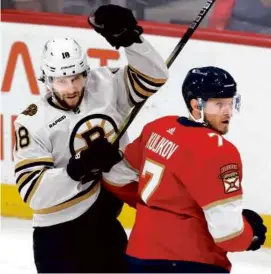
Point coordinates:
[(259, 229), (117, 24), (99, 157)]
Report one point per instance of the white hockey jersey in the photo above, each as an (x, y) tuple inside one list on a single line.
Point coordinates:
[(47, 135)]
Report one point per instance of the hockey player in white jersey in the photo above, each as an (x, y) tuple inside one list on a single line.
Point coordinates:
[(63, 145)]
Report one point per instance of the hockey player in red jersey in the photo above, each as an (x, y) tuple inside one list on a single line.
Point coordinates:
[(185, 179)]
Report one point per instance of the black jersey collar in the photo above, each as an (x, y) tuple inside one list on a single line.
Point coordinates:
[(189, 123)]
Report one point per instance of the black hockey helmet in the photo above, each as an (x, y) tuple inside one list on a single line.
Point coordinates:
[(206, 83)]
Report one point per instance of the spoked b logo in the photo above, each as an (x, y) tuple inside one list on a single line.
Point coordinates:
[(90, 128)]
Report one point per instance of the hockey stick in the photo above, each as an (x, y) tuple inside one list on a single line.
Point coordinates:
[(191, 29)]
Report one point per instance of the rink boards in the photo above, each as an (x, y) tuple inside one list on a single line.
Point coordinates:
[(13, 206)]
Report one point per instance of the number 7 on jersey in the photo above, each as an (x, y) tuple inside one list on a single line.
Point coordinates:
[(155, 172)]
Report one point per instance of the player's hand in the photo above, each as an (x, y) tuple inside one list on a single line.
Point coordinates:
[(259, 229), (117, 24), (99, 157)]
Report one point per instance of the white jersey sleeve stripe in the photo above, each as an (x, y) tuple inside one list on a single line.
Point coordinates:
[(230, 225)]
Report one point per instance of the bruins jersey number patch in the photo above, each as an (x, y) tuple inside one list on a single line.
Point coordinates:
[(90, 128), (21, 138)]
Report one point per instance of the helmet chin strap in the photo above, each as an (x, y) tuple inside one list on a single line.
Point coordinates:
[(201, 119), (47, 83)]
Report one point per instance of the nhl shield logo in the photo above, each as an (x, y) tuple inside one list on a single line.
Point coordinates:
[(230, 178), (90, 128)]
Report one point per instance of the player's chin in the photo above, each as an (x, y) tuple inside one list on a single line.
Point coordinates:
[(72, 102), (224, 128)]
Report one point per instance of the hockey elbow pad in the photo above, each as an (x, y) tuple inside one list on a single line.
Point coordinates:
[(117, 24), (259, 229)]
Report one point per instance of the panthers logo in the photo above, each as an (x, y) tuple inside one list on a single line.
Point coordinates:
[(230, 178), (89, 128)]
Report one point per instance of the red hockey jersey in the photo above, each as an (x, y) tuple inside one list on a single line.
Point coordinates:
[(189, 193)]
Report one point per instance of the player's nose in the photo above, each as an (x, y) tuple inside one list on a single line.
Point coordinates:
[(227, 110), (71, 87)]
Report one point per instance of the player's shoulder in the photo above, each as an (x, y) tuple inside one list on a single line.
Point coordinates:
[(102, 73), (30, 113), (164, 121), (201, 136), (161, 125), (35, 115), (212, 143)]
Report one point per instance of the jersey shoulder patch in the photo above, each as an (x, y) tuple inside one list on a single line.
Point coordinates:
[(31, 110), (33, 117)]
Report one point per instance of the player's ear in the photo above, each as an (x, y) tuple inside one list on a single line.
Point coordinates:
[(194, 105), (195, 108)]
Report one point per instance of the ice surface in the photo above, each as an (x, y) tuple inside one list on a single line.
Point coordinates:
[(16, 251)]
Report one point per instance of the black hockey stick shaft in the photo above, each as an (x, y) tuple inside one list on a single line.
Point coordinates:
[(187, 35)]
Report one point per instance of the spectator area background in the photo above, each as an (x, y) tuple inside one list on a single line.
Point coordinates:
[(237, 15)]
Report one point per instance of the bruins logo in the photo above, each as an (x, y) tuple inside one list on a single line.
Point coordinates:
[(89, 128), (31, 110)]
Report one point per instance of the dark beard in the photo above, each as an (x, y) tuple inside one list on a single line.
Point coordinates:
[(63, 104)]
